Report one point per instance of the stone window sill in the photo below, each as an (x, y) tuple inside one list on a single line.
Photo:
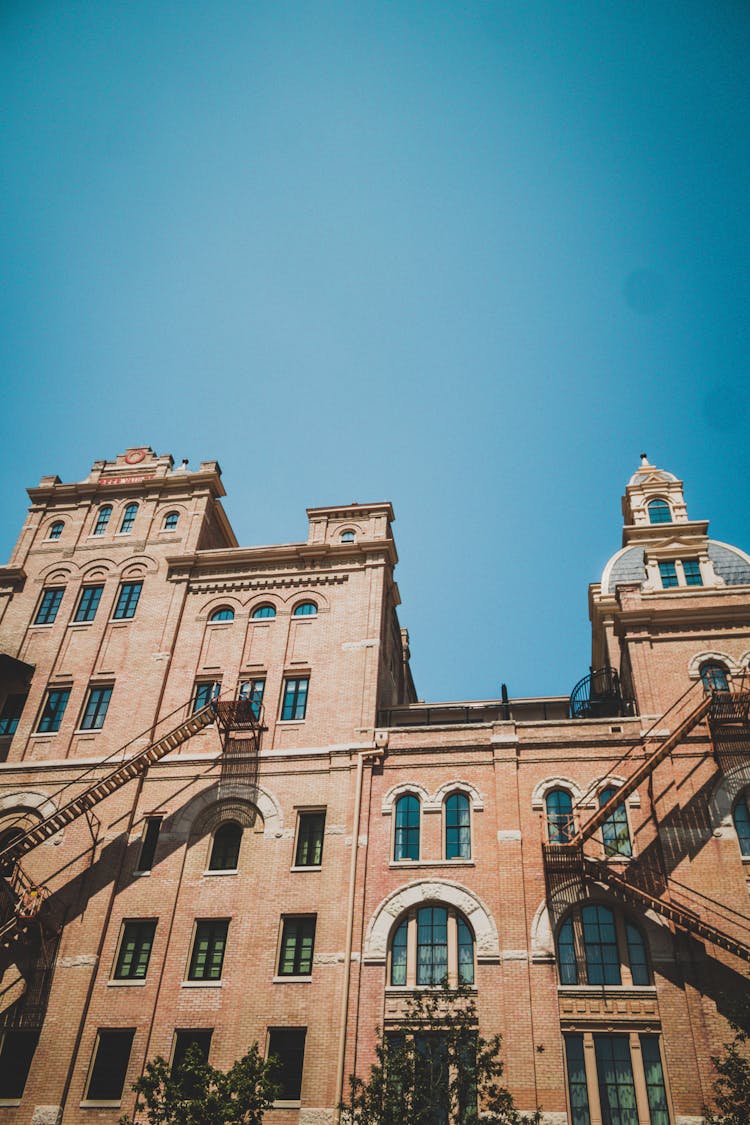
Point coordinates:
[(202, 984), (292, 980), (126, 983)]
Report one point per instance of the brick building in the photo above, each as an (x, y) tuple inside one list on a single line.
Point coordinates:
[(224, 816)]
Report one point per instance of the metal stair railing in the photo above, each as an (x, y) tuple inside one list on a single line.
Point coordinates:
[(102, 788), (685, 919)]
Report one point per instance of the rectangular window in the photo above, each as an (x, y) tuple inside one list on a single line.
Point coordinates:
[(615, 1074), (199, 1037), (310, 830), (657, 1094), (11, 713), (294, 705), (135, 950), (53, 710), (253, 690), (297, 943), (577, 1088), (148, 843), (668, 572), (207, 957), (109, 1066), (95, 711), (692, 571), (204, 693), (49, 605), (127, 600), (16, 1055), (88, 603), (287, 1044)]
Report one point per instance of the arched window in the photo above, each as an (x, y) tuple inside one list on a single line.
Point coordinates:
[(597, 946), (406, 836), (225, 850), (223, 613), (305, 609), (102, 519), (615, 831), (171, 520), (263, 611), (559, 805), (714, 677), (741, 818), (128, 519), (659, 511), (56, 530), (457, 827), (347, 536), (444, 947)]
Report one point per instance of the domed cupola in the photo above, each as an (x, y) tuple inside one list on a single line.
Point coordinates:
[(653, 496)]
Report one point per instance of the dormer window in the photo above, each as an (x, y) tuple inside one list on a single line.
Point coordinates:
[(659, 511), (668, 572)]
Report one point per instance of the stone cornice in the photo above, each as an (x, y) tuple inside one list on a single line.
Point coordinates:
[(127, 483), (239, 562)]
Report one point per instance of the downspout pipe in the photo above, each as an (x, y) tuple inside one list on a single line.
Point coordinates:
[(375, 753)]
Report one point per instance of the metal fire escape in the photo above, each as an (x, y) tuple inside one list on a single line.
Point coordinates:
[(568, 867), (22, 901)]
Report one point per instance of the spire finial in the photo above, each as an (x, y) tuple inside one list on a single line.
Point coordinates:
[(644, 460)]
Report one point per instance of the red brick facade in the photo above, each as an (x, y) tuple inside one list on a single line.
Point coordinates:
[(122, 618)]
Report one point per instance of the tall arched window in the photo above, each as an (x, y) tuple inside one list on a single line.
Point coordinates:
[(615, 831), (714, 676), (457, 827), (223, 613), (741, 817), (406, 833), (559, 805), (102, 519), (659, 512), (128, 519), (56, 530), (597, 946), (443, 945), (225, 850)]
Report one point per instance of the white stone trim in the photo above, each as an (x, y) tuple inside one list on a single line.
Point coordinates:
[(403, 790), (540, 791), (695, 662), (24, 800), (542, 943), (458, 786), (431, 890), (266, 804), (722, 800), (599, 783)]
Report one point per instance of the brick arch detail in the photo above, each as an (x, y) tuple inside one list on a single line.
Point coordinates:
[(431, 890), (138, 565), (542, 788), (26, 808), (403, 790), (233, 810), (58, 572), (732, 666), (722, 800), (607, 779), (265, 802), (458, 786)]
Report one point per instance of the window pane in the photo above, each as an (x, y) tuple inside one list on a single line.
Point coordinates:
[(615, 1074), (135, 950), (398, 955), (264, 611), (127, 600), (310, 839), (15, 1061), (128, 519), (102, 520), (659, 512), (457, 827), (225, 850), (53, 711), (668, 572), (88, 603), (148, 847), (465, 953), (171, 520), (253, 690), (714, 677), (305, 609), (615, 832), (407, 828), (559, 816), (636, 955), (297, 941), (110, 1066), (56, 530), (208, 951), (692, 571), (204, 693), (288, 1046), (96, 708), (600, 943), (432, 945), (49, 605), (295, 698), (11, 713), (184, 1040), (657, 1094), (742, 825), (223, 614), (577, 1088), (567, 954)]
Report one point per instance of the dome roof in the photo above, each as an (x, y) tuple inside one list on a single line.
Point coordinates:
[(628, 565)]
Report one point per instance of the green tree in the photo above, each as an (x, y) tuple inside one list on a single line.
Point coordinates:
[(436, 1069), (732, 1082), (196, 1093)]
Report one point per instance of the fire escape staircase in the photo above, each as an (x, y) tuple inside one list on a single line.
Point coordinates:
[(19, 897), (567, 861)]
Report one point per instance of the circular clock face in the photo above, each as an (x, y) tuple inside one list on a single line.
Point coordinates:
[(135, 456)]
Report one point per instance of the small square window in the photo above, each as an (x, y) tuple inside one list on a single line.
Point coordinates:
[(88, 603), (692, 571), (207, 956), (310, 830), (16, 1055), (199, 1037), (287, 1044), (49, 605), (109, 1066), (297, 944), (53, 710), (294, 705), (133, 956), (11, 713), (148, 843), (668, 572), (95, 711), (127, 600)]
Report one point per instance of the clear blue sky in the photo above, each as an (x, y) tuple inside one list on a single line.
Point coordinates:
[(469, 257)]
